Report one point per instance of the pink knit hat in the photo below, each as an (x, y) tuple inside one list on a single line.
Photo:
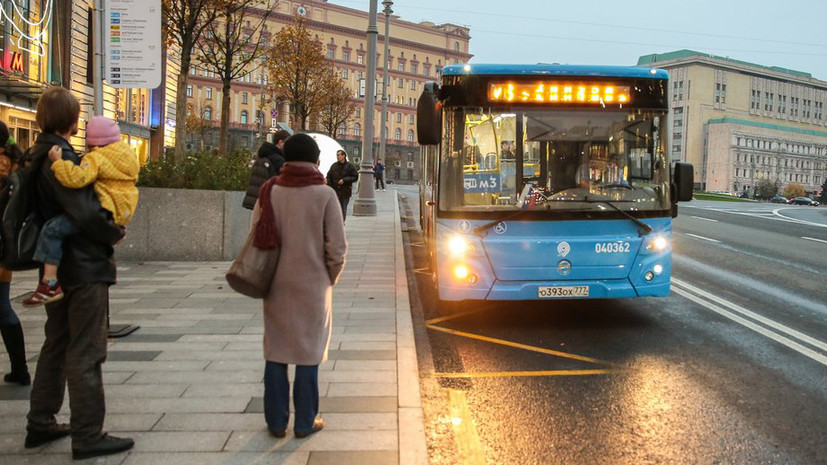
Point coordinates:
[(102, 131)]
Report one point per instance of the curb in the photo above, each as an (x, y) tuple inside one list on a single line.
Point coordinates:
[(411, 424)]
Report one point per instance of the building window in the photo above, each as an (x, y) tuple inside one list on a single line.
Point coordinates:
[(193, 70), (456, 46), (189, 90), (208, 113), (358, 112), (360, 59), (244, 97), (244, 116), (397, 134), (399, 117), (208, 93), (410, 135), (342, 129), (401, 66), (331, 53), (401, 83), (346, 55), (344, 73), (414, 68), (413, 84), (357, 129)]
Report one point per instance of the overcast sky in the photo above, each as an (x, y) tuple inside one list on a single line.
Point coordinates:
[(790, 33)]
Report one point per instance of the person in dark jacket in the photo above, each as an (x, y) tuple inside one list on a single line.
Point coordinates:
[(267, 165), (341, 177), (76, 326), (379, 174), (10, 327)]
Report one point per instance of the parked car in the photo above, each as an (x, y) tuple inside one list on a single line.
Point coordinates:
[(779, 199), (804, 201)]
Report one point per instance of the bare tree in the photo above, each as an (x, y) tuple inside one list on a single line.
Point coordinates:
[(231, 44), (298, 70), (184, 23), (197, 122), (336, 105)]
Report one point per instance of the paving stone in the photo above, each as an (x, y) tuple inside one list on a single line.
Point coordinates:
[(131, 355), (14, 392), (362, 355), (322, 441), (380, 457), (178, 405), (160, 365), (362, 389), (339, 404), (141, 391), (221, 458), (143, 336), (195, 377)]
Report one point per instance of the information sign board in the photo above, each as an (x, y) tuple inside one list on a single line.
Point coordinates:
[(132, 31)]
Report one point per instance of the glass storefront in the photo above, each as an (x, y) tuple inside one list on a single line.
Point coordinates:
[(138, 144)]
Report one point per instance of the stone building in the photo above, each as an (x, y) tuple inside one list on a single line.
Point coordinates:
[(45, 42), (740, 122), (417, 53)]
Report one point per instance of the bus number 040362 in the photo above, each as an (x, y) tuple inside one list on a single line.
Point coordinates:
[(612, 247)]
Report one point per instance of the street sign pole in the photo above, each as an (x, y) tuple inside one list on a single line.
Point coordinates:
[(99, 48), (365, 204)]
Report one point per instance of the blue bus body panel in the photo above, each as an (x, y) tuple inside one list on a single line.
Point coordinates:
[(541, 70), (514, 259)]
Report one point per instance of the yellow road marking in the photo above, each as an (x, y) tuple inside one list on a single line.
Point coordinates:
[(521, 346), (508, 374), (469, 446), (452, 316)]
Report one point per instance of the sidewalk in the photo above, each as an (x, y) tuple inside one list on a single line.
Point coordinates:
[(187, 386)]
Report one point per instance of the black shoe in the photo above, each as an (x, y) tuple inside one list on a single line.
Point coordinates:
[(106, 445), (278, 433), (36, 438), (318, 425), (22, 378)]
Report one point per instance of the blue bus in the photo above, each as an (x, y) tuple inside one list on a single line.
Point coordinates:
[(548, 182)]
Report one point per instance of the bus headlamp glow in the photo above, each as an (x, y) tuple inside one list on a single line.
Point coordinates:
[(461, 272), (658, 269), (659, 243), (459, 245)]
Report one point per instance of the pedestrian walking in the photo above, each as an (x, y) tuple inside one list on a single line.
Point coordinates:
[(75, 346), (301, 214), (10, 327), (341, 177), (379, 174), (268, 164)]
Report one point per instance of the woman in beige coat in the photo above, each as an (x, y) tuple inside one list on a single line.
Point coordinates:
[(306, 219)]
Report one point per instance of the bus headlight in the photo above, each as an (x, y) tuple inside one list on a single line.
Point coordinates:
[(658, 269), (658, 244), (461, 272), (458, 245)]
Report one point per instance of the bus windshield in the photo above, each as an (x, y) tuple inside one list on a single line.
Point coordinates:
[(560, 159)]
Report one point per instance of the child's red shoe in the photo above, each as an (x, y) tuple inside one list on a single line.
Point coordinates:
[(44, 294)]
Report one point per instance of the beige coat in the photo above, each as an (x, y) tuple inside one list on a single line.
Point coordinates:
[(298, 313)]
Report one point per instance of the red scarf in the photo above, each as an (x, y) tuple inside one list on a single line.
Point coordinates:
[(267, 234)]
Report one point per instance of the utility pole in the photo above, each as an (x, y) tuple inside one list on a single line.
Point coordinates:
[(99, 47), (385, 66), (365, 204)]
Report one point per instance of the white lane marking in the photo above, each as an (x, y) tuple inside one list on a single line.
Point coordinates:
[(796, 346), (758, 214), (705, 219), (702, 238), (814, 239)]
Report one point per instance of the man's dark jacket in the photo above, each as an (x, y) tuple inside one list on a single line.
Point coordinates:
[(346, 172), (87, 256), (267, 165)]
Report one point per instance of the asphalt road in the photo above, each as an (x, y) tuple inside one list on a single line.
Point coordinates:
[(731, 368)]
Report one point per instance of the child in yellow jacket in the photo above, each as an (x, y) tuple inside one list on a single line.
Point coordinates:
[(113, 166)]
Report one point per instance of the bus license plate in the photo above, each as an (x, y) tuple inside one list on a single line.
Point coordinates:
[(546, 292)]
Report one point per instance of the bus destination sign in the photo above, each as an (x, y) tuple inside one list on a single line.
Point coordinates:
[(556, 92)]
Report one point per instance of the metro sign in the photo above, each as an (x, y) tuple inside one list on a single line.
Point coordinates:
[(15, 62)]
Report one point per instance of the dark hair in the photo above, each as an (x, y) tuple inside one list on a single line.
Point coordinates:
[(8, 145), (342, 152), (57, 110), (281, 134)]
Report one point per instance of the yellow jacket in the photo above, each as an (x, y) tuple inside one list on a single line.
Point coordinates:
[(114, 169)]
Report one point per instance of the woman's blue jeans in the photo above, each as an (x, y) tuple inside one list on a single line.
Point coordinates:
[(277, 396), (7, 315)]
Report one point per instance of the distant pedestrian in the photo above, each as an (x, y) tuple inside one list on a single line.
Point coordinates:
[(10, 327), (268, 164), (301, 214), (76, 330), (341, 177), (379, 174)]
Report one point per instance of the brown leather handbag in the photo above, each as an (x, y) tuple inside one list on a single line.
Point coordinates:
[(252, 272)]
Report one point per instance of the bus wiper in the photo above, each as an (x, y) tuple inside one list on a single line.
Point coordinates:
[(646, 229)]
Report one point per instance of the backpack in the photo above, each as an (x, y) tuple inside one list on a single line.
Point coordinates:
[(20, 222)]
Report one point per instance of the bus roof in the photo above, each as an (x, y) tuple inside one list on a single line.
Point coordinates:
[(554, 70)]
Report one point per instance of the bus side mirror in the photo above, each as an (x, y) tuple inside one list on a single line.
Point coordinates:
[(428, 115), (683, 179)]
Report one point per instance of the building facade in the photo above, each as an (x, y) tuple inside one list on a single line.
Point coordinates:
[(47, 42), (417, 53), (739, 123)]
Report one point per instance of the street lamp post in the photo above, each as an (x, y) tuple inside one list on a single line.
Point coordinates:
[(385, 66), (365, 204)]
